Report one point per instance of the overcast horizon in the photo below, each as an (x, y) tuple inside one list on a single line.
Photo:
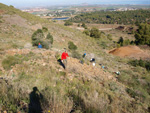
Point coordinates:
[(30, 3)]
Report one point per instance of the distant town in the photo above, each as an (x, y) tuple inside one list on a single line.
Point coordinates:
[(70, 11)]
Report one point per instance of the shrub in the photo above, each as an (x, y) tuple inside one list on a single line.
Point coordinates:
[(84, 26), (38, 37), (132, 93), (109, 36), (121, 41), (86, 32), (44, 29), (94, 32), (50, 37), (68, 23), (141, 63), (72, 46)]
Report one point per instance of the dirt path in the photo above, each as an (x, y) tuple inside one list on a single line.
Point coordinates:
[(106, 29)]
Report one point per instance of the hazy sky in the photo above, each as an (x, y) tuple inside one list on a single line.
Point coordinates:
[(21, 3)]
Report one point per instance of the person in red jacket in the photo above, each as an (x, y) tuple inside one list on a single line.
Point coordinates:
[(64, 58)]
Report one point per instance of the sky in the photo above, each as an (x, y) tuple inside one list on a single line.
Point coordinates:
[(29, 3)]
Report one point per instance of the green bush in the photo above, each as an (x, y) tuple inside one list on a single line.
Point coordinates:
[(68, 23), (87, 32), (50, 37), (84, 26), (44, 29), (109, 36), (141, 63), (94, 32), (38, 37), (72, 46), (120, 41)]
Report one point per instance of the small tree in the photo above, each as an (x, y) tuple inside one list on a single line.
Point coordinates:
[(72, 46), (121, 41), (84, 26), (68, 23), (95, 33), (38, 37), (50, 37)]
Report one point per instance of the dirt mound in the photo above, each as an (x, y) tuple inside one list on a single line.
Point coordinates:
[(130, 51)]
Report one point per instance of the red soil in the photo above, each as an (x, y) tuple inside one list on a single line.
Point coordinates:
[(130, 51)]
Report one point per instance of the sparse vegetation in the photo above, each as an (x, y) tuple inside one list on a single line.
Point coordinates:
[(10, 61), (72, 46), (142, 63), (81, 88)]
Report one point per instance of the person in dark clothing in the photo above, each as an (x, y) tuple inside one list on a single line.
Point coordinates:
[(93, 61), (64, 58), (84, 55), (83, 58), (35, 105)]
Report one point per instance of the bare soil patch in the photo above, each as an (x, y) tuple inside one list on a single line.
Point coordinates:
[(132, 52)]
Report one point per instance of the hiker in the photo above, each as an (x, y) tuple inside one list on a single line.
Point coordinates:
[(84, 55), (64, 58), (39, 46), (83, 58), (93, 61), (117, 72), (58, 57)]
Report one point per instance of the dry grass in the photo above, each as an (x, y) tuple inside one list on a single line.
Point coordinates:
[(82, 88)]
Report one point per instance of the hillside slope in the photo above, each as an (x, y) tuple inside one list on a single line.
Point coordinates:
[(78, 77), (27, 72)]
